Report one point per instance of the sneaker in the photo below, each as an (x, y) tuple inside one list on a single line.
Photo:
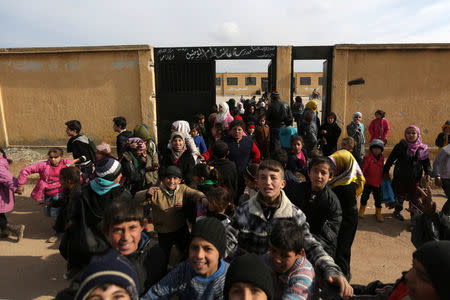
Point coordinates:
[(399, 216), (17, 230)]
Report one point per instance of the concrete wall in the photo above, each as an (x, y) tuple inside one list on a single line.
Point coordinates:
[(241, 88), (40, 89), (306, 90), (284, 72), (410, 82)]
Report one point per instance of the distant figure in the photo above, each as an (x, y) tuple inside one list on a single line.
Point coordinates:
[(379, 127), (297, 109), (120, 126)]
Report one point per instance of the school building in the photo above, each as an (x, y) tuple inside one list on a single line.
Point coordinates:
[(41, 88)]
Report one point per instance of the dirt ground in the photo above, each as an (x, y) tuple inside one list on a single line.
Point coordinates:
[(33, 269)]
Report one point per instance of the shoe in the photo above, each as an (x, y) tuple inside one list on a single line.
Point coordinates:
[(52, 239), (361, 212), (399, 216), (4, 233), (378, 215), (17, 230)]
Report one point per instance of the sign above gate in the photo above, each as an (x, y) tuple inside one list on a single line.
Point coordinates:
[(213, 53)]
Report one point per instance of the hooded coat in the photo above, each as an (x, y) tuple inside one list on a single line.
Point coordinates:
[(329, 139)]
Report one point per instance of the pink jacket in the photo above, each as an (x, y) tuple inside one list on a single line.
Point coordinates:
[(227, 121), (379, 129), (373, 169), (8, 185), (43, 168)]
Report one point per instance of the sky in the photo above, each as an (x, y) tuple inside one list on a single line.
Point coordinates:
[(178, 23)]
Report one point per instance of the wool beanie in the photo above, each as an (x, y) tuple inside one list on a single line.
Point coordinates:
[(112, 268), (249, 268), (377, 143), (211, 230), (108, 168), (435, 257), (172, 171)]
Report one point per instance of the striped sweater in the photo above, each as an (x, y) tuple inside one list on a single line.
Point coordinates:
[(296, 283)]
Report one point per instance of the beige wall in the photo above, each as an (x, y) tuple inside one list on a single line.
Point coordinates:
[(42, 88), (284, 72), (306, 90), (241, 88), (410, 82)]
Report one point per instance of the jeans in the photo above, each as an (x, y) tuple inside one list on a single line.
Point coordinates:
[(376, 195), (274, 139)]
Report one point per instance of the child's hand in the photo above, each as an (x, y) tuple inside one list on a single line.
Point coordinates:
[(20, 190), (152, 191), (429, 206)]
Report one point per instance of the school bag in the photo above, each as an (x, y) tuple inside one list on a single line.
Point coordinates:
[(387, 194)]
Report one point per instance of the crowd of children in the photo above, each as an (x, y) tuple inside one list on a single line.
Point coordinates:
[(243, 205)]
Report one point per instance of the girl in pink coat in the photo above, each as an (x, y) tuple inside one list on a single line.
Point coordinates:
[(8, 185), (379, 127)]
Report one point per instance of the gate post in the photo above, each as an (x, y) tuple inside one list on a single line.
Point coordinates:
[(284, 72)]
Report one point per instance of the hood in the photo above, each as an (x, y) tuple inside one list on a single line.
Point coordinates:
[(82, 138), (141, 131)]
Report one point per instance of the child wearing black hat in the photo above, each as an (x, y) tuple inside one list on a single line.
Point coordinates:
[(202, 275)]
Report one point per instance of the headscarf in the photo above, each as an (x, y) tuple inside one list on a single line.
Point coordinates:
[(349, 171), (136, 143), (311, 104), (357, 114), (176, 154), (416, 147), (221, 116), (183, 127), (104, 148), (332, 114), (241, 108)]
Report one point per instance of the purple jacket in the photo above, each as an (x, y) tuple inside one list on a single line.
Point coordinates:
[(43, 168), (8, 185)]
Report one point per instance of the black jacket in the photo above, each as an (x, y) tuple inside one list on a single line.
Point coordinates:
[(186, 164), (331, 137), (121, 141), (323, 213), (83, 148), (135, 176), (228, 173), (278, 113)]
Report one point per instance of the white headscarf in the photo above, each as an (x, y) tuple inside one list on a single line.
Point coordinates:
[(183, 127), (241, 108), (221, 116)]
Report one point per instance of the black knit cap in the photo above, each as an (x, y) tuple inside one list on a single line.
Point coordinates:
[(249, 268), (172, 171), (435, 257), (211, 230)]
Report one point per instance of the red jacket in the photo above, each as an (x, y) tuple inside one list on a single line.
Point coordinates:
[(373, 169), (379, 129)]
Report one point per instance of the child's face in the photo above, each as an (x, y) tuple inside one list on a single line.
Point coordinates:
[(54, 159), (419, 283), (251, 130), (346, 146), (113, 292), (203, 257), (377, 116), (70, 132), (237, 132), (319, 176), (220, 108), (270, 184), (201, 121), (177, 143), (411, 135), (124, 237), (282, 260), (330, 119), (262, 122), (246, 291), (297, 147), (357, 119), (194, 132), (376, 151), (171, 182)]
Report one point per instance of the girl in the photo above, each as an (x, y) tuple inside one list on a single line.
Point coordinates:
[(251, 130), (179, 155), (379, 127), (8, 185), (411, 160), (224, 117), (262, 137), (356, 130), (250, 114), (183, 127), (250, 181), (329, 134), (134, 161), (312, 106), (198, 140), (297, 158), (220, 205)]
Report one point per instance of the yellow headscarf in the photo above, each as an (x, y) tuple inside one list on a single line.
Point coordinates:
[(310, 106), (349, 171)]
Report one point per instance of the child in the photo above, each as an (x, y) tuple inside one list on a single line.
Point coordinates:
[(441, 170), (255, 218), (293, 275), (183, 127), (199, 119), (202, 275), (443, 139), (250, 181), (167, 203), (251, 130), (262, 137), (379, 127), (81, 147), (220, 205), (205, 178), (8, 185), (329, 134), (152, 165), (356, 130), (227, 169), (308, 131), (297, 158), (103, 151), (411, 160), (373, 172), (120, 126), (198, 139), (48, 187), (134, 160), (179, 155), (286, 135), (248, 277), (348, 143), (224, 117)]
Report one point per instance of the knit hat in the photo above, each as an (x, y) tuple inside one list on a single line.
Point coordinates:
[(435, 257), (108, 168), (357, 114), (104, 148), (136, 143), (213, 231), (249, 268), (377, 143), (112, 268), (173, 171)]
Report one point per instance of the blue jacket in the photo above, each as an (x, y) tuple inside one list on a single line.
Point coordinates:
[(200, 143)]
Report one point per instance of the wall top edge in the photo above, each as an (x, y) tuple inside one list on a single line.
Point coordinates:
[(74, 49)]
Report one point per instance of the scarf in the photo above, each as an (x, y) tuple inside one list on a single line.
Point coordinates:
[(221, 116), (102, 186), (348, 171), (176, 154), (302, 158), (416, 147), (310, 106)]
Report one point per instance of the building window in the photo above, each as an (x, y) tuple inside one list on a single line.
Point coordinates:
[(217, 81), (250, 80), (232, 81), (320, 80), (305, 80), (264, 83)]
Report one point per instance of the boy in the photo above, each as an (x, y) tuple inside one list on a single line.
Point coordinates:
[(293, 274), (120, 126), (320, 204), (167, 203), (372, 168), (256, 217), (81, 147), (262, 137), (248, 277), (202, 275), (286, 135), (227, 168), (308, 130)]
